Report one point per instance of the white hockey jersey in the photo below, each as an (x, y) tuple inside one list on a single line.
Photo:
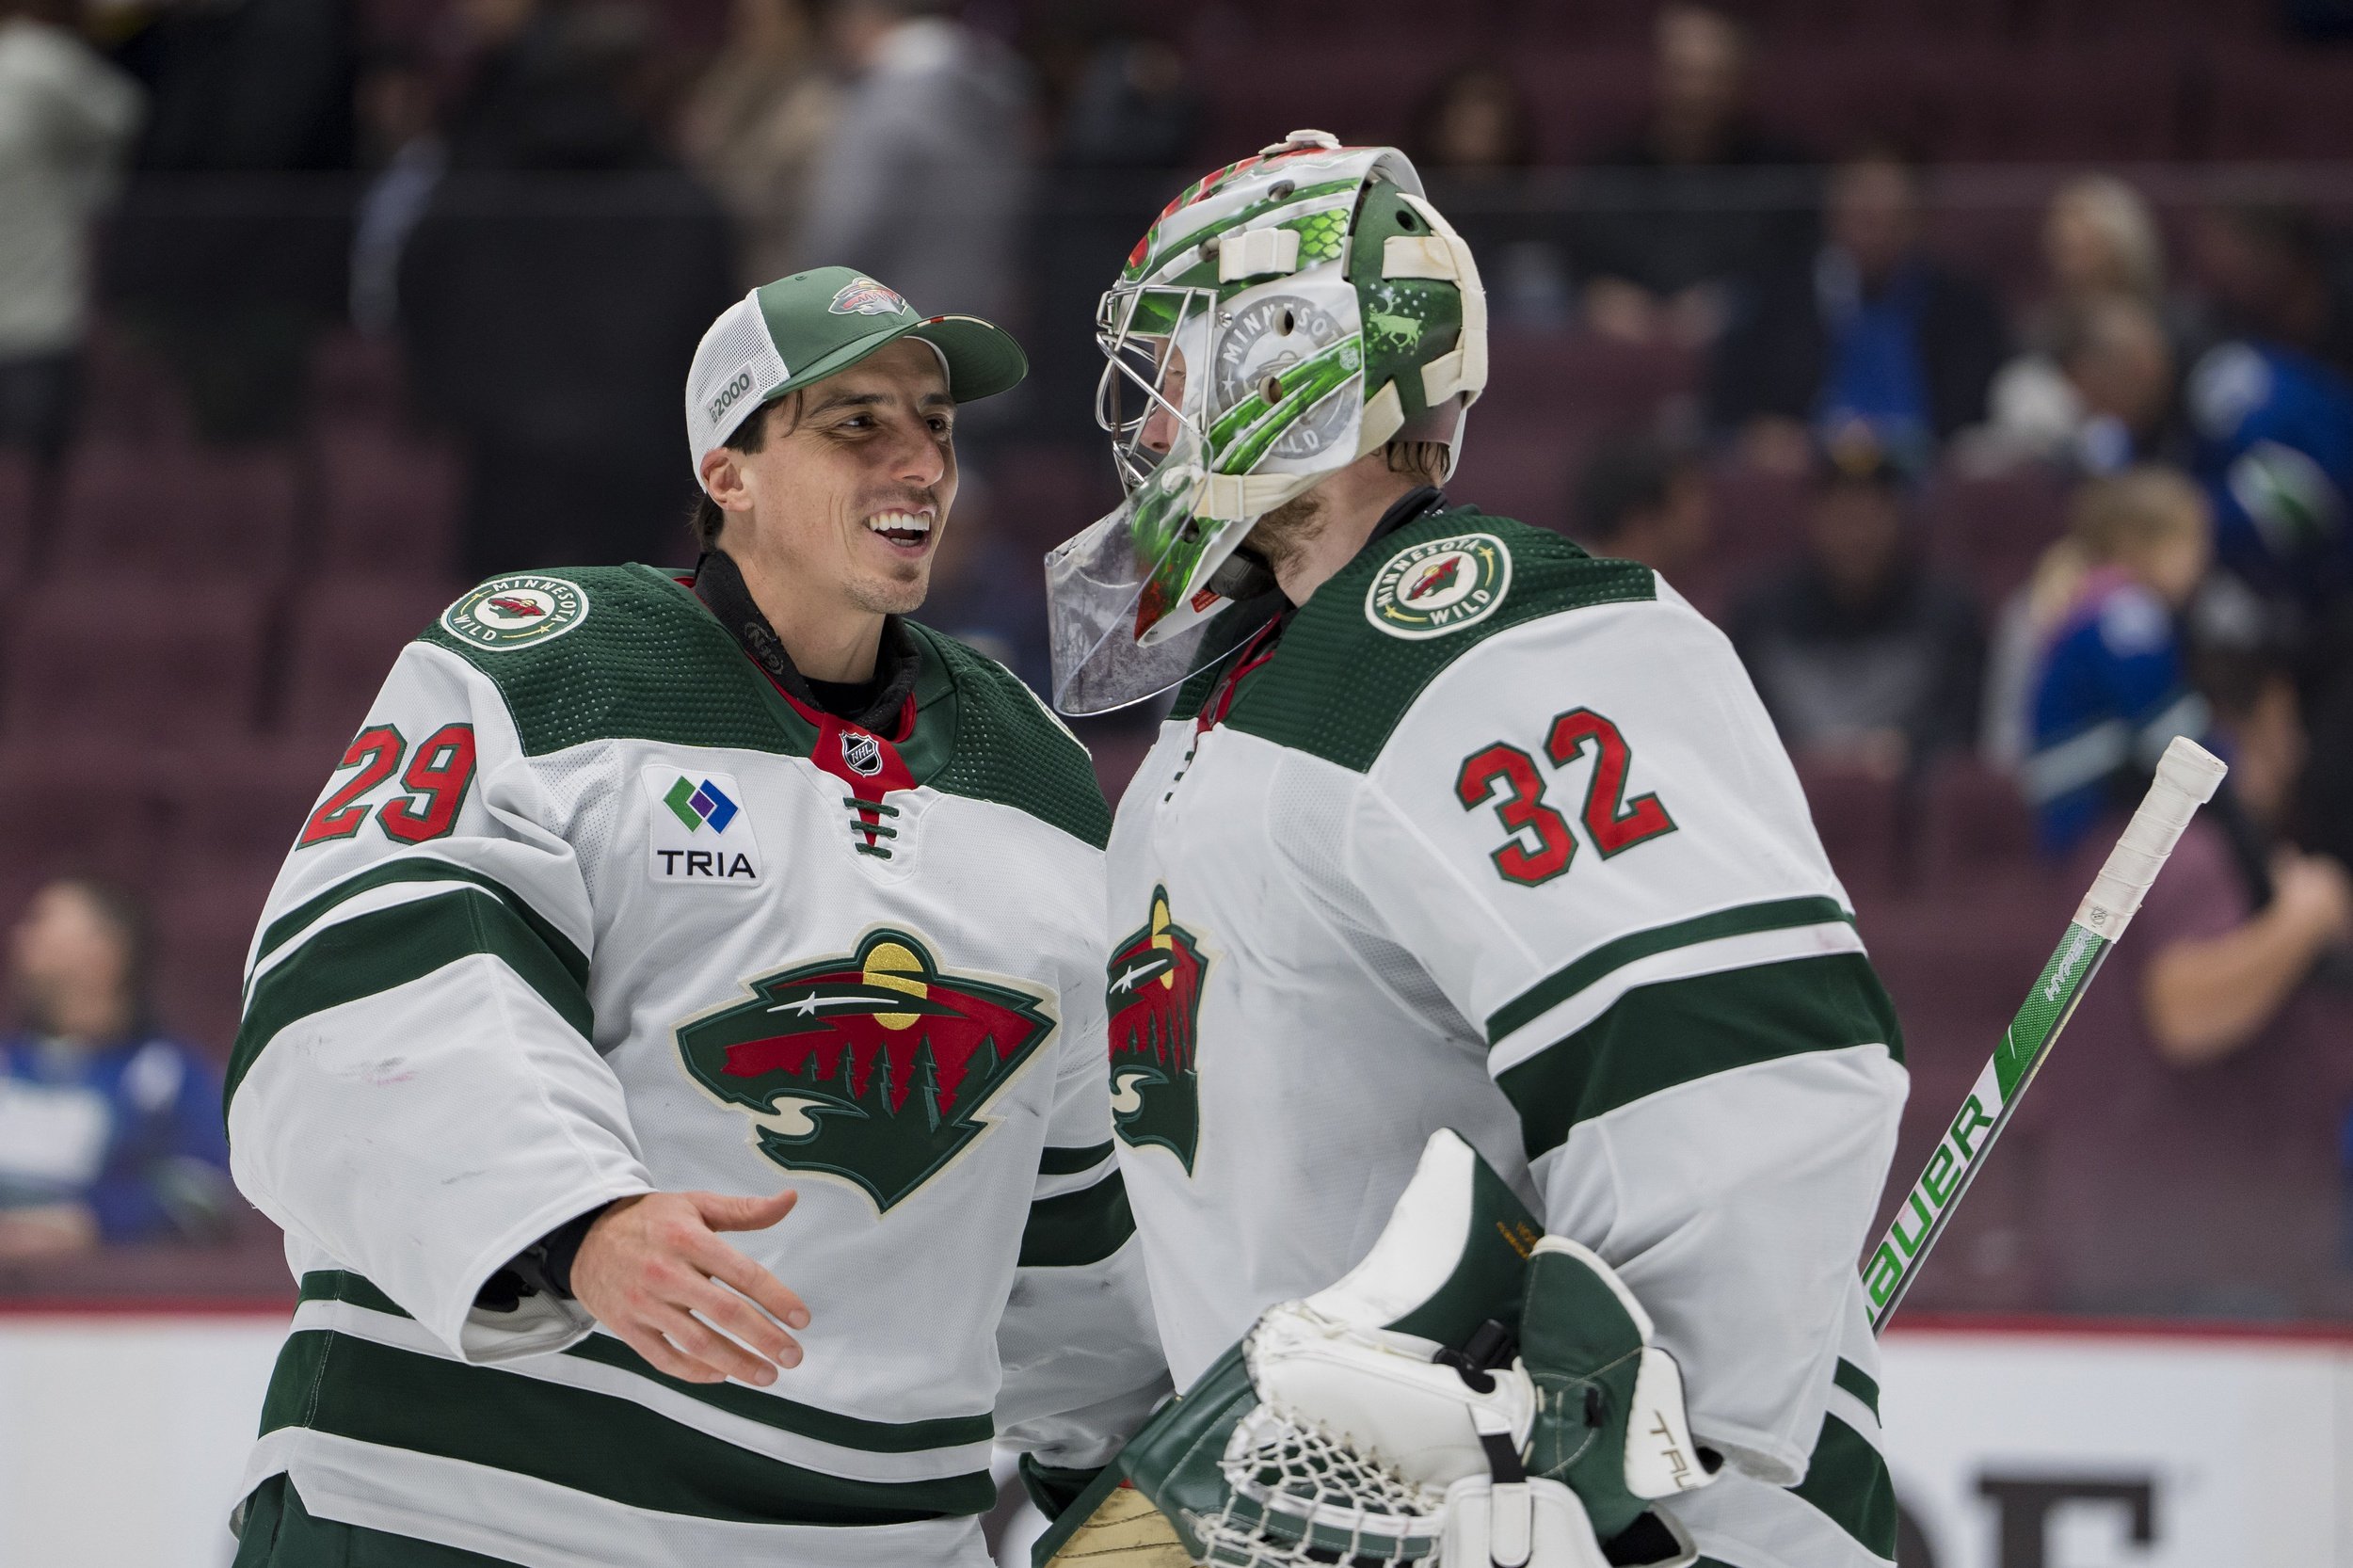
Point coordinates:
[(1496, 836), (591, 908)]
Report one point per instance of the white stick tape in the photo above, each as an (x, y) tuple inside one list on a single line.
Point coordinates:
[(2188, 776)]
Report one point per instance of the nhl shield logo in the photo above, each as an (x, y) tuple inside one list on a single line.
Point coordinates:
[(865, 297), (508, 613), (1439, 586), (1154, 999), (874, 1066), (861, 753)]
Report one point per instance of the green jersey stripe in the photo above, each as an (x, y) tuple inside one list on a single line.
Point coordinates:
[(1078, 1228), (1855, 1381), (374, 953), (592, 1443), (1741, 920), (1848, 1481), (1657, 1036), (1071, 1162), (825, 1425), (419, 869)]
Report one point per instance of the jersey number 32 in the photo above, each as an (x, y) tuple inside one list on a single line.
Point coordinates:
[(1540, 845)]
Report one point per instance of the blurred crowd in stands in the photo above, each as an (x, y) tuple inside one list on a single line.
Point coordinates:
[(1985, 370)]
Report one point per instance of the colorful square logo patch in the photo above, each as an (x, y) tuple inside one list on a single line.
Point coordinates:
[(697, 830)]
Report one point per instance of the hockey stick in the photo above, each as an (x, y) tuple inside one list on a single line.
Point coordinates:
[(2186, 778)]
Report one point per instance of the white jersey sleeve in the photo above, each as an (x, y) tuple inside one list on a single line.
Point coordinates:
[(1586, 832), (1081, 1357), (414, 1090)]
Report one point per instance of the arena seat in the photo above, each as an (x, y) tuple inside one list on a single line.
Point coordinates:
[(1516, 475), (2271, 103), (146, 662), (86, 804), (1994, 529), (234, 812), (389, 504), (345, 634), (1975, 828), (1859, 816), (163, 509), (202, 932), (1759, 523), (16, 493)]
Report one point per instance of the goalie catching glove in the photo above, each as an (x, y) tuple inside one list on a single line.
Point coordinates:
[(1473, 1395)]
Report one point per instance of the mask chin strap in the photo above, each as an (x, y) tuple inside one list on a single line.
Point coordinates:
[(1242, 576)]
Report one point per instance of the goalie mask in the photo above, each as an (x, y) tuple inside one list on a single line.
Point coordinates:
[(1284, 316)]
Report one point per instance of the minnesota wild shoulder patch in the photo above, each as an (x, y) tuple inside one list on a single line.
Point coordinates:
[(508, 613), (1439, 586)]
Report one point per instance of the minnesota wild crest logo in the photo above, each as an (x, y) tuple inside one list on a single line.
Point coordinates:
[(1155, 1002), (873, 1068)]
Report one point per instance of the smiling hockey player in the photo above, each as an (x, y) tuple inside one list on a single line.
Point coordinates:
[(634, 900), (1454, 826)]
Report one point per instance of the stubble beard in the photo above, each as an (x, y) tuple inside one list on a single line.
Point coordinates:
[(1280, 539), (892, 595)]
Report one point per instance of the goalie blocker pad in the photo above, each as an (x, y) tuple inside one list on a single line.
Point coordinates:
[(1377, 1355), (1452, 1257)]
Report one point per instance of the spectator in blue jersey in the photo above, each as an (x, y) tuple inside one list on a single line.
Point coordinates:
[(1870, 330), (108, 1131), (2111, 685), (2271, 406)]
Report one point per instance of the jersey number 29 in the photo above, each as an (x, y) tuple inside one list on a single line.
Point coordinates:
[(1540, 845)]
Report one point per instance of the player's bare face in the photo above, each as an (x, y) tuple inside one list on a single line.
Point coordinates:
[(1160, 425), (851, 496)]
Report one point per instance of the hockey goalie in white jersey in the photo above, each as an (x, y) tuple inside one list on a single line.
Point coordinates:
[(1455, 827)]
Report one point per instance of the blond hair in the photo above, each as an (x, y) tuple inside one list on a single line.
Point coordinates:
[(2123, 217), (2116, 521)]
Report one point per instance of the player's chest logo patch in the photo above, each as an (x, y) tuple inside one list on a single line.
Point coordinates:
[(875, 1067), (1153, 994), (508, 613), (1439, 586), (697, 832)]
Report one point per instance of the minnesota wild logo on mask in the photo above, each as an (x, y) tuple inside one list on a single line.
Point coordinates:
[(874, 1066), (1153, 997)]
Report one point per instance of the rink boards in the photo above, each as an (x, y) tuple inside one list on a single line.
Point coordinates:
[(2014, 1444)]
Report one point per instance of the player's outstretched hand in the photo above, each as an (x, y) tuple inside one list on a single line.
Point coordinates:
[(653, 1269)]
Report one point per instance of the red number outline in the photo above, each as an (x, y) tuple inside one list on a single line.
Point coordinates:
[(1615, 823), (1523, 810), (380, 747), (399, 817)]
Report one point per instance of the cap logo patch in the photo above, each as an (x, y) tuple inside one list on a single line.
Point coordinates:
[(865, 297), (508, 613), (1439, 586)]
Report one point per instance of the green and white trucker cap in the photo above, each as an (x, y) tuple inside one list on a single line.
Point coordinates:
[(786, 334)]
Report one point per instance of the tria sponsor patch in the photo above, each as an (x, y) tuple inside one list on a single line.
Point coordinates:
[(697, 830), (1439, 586), (508, 613)]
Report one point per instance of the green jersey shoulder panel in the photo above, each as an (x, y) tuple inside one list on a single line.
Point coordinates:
[(1364, 648), (599, 653), (1008, 750), (614, 653)]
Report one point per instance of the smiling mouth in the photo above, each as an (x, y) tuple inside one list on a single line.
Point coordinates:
[(907, 530)]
